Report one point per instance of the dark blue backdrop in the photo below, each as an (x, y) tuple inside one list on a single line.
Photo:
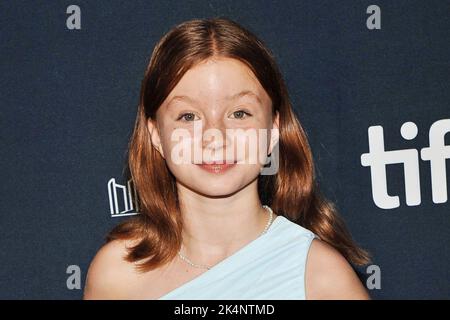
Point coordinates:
[(68, 103)]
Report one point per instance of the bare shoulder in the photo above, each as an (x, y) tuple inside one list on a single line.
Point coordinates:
[(110, 275), (330, 276)]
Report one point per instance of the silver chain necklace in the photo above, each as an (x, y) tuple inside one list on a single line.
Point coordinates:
[(202, 266)]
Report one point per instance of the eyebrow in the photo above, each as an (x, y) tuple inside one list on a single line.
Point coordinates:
[(243, 94), (229, 97)]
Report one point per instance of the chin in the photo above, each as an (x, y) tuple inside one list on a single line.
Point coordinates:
[(216, 188), (217, 184)]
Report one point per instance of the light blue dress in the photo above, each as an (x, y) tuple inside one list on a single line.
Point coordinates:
[(270, 267)]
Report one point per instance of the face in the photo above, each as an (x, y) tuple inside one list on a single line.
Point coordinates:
[(218, 111)]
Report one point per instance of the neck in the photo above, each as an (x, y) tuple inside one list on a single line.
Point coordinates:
[(215, 228)]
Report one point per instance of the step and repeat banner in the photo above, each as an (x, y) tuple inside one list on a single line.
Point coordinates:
[(369, 81)]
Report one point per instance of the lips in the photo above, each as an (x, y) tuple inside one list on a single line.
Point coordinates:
[(217, 166)]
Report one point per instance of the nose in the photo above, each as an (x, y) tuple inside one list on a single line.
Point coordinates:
[(215, 136)]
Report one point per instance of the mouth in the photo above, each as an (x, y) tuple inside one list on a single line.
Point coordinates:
[(217, 166)]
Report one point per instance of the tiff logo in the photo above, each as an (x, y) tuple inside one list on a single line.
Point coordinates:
[(437, 153), (118, 192)]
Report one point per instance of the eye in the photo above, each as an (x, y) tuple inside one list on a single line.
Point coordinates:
[(188, 116), (241, 114)]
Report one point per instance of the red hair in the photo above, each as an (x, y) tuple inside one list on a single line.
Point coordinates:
[(292, 192)]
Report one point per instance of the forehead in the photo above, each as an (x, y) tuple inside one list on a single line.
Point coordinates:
[(221, 79)]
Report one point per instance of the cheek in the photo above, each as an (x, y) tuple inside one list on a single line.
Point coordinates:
[(252, 146), (178, 146)]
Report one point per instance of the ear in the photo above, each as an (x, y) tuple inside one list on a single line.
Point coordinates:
[(274, 133), (154, 135)]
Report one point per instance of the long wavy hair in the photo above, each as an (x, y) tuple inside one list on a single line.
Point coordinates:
[(292, 192)]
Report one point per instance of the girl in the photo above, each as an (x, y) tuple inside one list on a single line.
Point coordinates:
[(215, 223)]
